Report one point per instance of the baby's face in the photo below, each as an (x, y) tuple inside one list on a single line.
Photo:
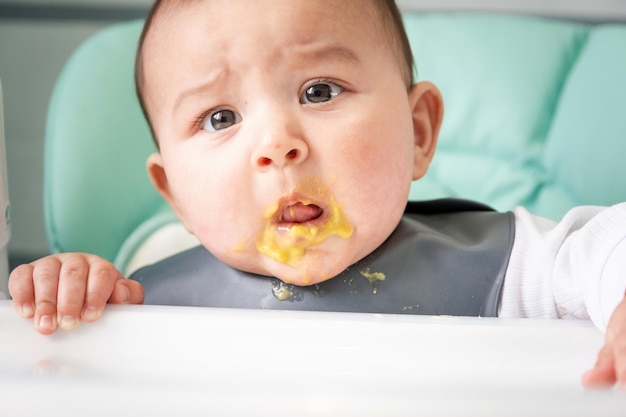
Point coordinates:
[(286, 134)]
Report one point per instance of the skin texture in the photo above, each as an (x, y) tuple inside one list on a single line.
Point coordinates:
[(283, 161)]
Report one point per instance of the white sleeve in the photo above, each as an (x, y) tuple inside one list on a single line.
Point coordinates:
[(572, 269)]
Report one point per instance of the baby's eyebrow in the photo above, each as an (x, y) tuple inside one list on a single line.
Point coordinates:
[(337, 52), (202, 87)]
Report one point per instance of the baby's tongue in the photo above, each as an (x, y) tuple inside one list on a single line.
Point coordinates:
[(300, 213)]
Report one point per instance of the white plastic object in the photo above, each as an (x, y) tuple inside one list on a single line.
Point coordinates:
[(193, 361), (5, 210)]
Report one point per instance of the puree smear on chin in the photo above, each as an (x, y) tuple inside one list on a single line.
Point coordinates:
[(287, 239)]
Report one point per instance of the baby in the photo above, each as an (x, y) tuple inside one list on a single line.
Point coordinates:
[(288, 134)]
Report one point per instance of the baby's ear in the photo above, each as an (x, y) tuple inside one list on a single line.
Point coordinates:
[(158, 176), (427, 109)]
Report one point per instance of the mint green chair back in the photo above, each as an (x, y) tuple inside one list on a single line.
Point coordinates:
[(96, 190), (535, 110), (535, 116)]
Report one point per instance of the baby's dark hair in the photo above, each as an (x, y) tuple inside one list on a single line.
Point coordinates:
[(394, 28), (392, 24)]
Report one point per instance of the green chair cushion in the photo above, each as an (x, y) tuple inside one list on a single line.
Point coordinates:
[(532, 110), (96, 191)]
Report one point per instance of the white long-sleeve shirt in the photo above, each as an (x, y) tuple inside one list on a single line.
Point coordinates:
[(575, 268)]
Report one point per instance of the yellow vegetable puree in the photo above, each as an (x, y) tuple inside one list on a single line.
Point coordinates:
[(288, 244)]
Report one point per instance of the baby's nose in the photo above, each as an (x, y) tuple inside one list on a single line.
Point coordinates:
[(279, 153)]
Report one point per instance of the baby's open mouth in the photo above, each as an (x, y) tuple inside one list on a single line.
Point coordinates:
[(300, 213), (295, 225)]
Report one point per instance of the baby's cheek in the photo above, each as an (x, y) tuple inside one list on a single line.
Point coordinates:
[(237, 253)]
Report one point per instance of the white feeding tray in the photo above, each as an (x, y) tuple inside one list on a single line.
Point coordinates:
[(184, 361)]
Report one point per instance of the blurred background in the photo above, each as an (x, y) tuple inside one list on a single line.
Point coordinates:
[(38, 36)]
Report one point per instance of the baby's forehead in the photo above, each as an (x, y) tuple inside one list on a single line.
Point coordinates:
[(369, 16), (171, 17), (379, 9)]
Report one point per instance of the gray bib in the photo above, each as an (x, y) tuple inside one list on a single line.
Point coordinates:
[(446, 257)]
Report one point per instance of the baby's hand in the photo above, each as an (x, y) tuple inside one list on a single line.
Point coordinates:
[(610, 367), (61, 290)]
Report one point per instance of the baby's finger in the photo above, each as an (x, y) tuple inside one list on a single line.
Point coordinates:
[(603, 372), (127, 291), (619, 353), (100, 284), (71, 291), (22, 291), (45, 282)]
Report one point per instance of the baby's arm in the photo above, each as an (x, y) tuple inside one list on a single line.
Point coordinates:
[(63, 289), (574, 269)]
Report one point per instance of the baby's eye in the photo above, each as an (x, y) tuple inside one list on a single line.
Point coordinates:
[(221, 119), (320, 93)]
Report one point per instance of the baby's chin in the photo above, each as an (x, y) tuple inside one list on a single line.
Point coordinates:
[(314, 267), (306, 274)]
